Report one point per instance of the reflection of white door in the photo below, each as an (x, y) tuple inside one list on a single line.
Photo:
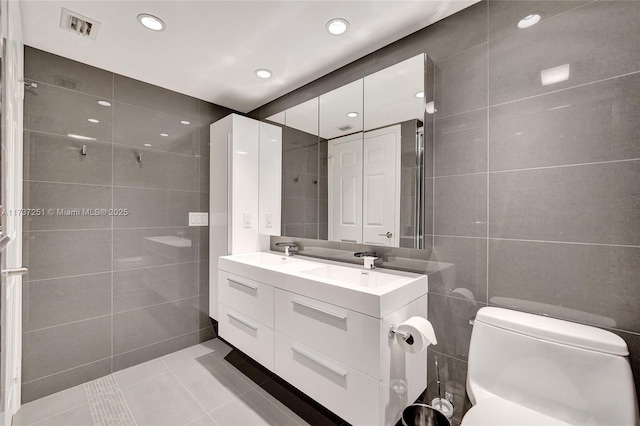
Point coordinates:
[(381, 184), (345, 189)]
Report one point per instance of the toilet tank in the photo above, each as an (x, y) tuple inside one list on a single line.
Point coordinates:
[(572, 372)]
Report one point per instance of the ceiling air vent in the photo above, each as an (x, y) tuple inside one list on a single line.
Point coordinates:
[(345, 128), (81, 25)]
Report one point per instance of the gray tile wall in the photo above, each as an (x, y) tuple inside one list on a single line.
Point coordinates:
[(304, 207), (535, 187), (102, 294)]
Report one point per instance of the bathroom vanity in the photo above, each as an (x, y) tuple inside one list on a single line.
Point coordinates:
[(324, 328)]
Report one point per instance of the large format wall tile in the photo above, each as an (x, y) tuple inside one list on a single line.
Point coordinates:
[(140, 248), (587, 124), (138, 288), (596, 41), (461, 205), (55, 158), (465, 272), (461, 82), (591, 284), (153, 208), (450, 318), (453, 379), (53, 110), (460, 144), (53, 254), (504, 15), (135, 126), (146, 353), (157, 258), (592, 204), (48, 68), (69, 202), (48, 385), (60, 348), (53, 302), (146, 326), (159, 170), (209, 113), (139, 93)]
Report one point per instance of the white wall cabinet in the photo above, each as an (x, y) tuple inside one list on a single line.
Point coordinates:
[(245, 190)]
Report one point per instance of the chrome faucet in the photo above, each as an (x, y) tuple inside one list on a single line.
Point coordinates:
[(289, 248), (369, 258)]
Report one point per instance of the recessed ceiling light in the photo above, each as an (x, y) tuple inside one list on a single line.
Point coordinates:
[(263, 73), (147, 144), (166, 135), (529, 20), (185, 122), (420, 95), (151, 22), (104, 103), (92, 120), (352, 114), (337, 26)]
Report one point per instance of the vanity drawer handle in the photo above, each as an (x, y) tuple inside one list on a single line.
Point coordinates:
[(322, 311), (313, 357), (252, 287), (241, 321)]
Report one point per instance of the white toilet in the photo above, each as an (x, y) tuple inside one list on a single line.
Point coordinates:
[(528, 369)]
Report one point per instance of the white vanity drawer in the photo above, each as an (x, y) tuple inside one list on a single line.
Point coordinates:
[(349, 337), (343, 390), (247, 334), (246, 296)]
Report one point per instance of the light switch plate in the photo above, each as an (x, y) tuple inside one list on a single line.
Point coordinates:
[(268, 220), (246, 220), (198, 219)]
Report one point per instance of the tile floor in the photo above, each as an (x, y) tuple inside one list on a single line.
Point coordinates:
[(196, 386)]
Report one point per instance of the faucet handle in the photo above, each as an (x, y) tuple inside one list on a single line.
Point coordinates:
[(365, 254), (289, 247)]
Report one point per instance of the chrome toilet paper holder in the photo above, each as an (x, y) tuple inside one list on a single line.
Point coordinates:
[(407, 337)]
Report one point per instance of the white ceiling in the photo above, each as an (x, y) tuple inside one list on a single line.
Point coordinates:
[(210, 49)]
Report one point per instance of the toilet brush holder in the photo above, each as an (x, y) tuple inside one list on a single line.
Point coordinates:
[(444, 406)]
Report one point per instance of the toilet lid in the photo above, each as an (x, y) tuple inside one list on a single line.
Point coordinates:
[(498, 412)]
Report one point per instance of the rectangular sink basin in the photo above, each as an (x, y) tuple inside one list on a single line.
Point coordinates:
[(370, 292), (267, 259), (353, 276)]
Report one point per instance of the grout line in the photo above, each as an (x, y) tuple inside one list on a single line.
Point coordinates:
[(57, 413), (65, 371), (540, 241), (114, 186), (595, 163), (156, 343), (193, 120), (115, 271), (564, 89), (566, 165), (115, 229), (197, 296), (190, 394), (65, 324)]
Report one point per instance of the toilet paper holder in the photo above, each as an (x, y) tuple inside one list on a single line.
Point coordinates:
[(407, 337)]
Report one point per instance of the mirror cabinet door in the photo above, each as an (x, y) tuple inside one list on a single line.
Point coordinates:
[(354, 160), (341, 125)]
